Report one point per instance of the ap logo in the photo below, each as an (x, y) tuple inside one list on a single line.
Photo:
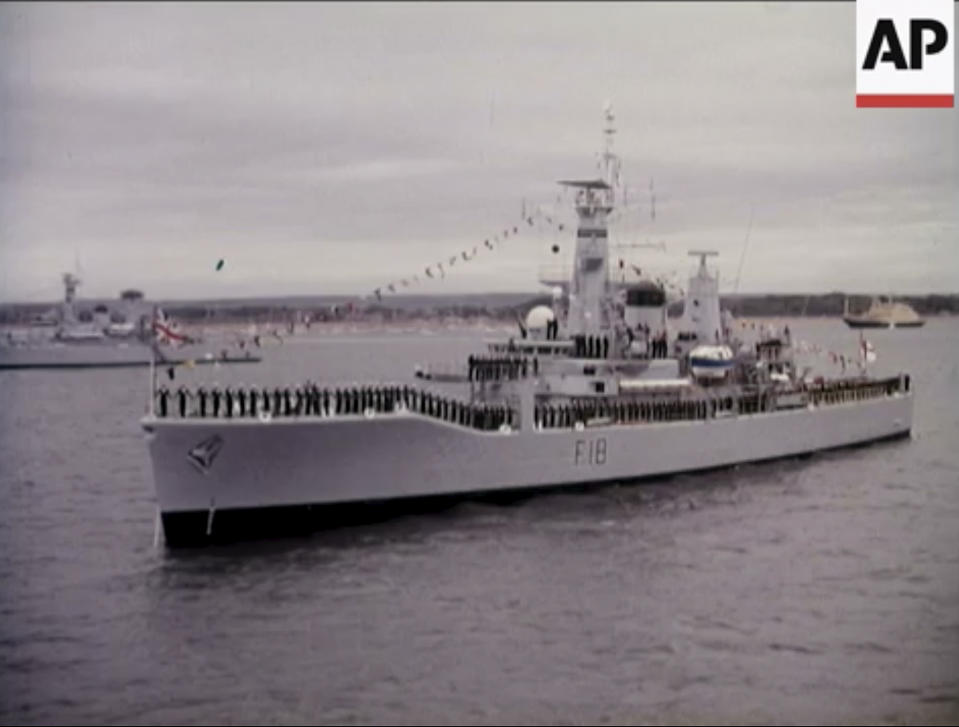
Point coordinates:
[(905, 53)]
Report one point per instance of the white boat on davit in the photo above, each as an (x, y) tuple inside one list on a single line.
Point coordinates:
[(600, 387)]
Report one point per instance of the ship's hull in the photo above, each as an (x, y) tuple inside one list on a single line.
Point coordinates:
[(109, 354), (212, 476), (873, 323)]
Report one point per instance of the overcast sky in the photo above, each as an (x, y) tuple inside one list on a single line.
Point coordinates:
[(323, 148)]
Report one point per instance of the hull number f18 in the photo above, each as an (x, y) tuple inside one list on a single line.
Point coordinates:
[(589, 452)]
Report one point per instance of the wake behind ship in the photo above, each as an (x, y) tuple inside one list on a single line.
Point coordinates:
[(599, 387)]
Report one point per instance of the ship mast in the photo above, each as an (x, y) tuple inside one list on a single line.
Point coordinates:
[(595, 199), (611, 162), (68, 313), (70, 284), (702, 312)]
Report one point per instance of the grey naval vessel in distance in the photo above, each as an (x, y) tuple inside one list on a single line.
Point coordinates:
[(599, 386), (131, 334)]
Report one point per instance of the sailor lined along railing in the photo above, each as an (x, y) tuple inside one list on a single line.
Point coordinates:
[(312, 401), (500, 368), (590, 411), (644, 410), (843, 392), (624, 410)]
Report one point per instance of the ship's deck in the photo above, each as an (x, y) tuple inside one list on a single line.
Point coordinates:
[(549, 411)]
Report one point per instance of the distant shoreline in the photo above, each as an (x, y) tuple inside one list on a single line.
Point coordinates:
[(473, 309)]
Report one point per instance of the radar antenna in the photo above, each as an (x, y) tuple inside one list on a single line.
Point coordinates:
[(612, 173), (702, 255)]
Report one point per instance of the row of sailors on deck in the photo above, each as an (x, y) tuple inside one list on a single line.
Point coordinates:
[(657, 346), (844, 391), (482, 368), (552, 330), (628, 410), (590, 346), (311, 400), (635, 410), (888, 385)]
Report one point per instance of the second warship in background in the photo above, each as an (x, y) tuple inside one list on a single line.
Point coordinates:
[(133, 334), (597, 387)]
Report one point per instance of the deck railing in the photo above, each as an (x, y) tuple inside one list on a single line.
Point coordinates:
[(548, 413), (312, 401), (633, 409)]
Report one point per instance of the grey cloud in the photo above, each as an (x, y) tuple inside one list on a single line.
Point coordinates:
[(154, 138)]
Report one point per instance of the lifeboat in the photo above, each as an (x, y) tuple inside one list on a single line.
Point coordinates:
[(711, 362)]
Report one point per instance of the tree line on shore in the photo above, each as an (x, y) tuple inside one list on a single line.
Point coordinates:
[(505, 309)]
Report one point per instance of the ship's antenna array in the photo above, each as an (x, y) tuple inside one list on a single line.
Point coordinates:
[(742, 257), (652, 201), (702, 255), (612, 167)]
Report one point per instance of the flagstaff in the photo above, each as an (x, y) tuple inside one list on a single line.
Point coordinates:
[(153, 378)]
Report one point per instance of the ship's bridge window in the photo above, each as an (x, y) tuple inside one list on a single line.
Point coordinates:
[(599, 387), (651, 297)]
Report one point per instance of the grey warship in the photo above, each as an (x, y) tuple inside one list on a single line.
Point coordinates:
[(600, 386), (131, 336)]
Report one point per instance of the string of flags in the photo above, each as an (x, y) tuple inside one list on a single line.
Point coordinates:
[(167, 331), (440, 269), (866, 353)]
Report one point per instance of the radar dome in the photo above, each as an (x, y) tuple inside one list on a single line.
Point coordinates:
[(538, 317)]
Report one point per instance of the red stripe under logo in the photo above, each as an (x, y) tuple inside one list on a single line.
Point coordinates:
[(904, 100)]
